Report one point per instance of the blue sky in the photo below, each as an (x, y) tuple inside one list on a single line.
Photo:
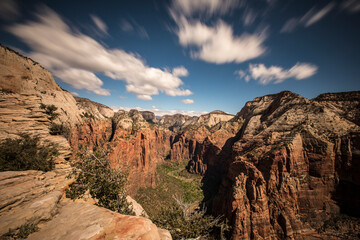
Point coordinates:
[(189, 56)]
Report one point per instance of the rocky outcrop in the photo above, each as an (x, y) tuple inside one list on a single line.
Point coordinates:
[(35, 197), (134, 146), (149, 116), (94, 109), (291, 166)]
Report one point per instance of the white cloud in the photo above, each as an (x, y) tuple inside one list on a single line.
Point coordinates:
[(311, 17), (82, 79), (161, 112), (75, 57), (276, 74), (9, 9), (74, 94), (144, 97), (208, 7), (218, 44), (187, 101), (99, 23), (180, 71), (123, 97)]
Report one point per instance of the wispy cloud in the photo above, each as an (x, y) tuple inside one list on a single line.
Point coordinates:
[(74, 94), (187, 101), (133, 26), (215, 43), (9, 9), (75, 58), (311, 17), (218, 44), (207, 7), (99, 24), (275, 74), (161, 112), (351, 6), (249, 16)]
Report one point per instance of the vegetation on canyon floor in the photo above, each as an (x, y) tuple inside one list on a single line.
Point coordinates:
[(93, 173), (27, 153), (175, 203)]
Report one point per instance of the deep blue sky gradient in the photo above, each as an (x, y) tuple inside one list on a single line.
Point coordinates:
[(332, 44)]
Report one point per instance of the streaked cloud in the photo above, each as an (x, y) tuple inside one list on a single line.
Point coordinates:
[(133, 26), (207, 7), (75, 58), (215, 43), (352, 6), (218, 44), (249, 16), (275, 74), (311, 17), (74, 94), (99, 23), (9, 9), (187, 101), (161, 112)]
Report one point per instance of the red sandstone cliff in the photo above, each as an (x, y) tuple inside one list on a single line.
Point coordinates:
[(293, 165)]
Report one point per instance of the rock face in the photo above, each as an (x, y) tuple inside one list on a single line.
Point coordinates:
[(35, 197), (134, 145), (292, 165), (95, 109), (149, 116), (179, 122)]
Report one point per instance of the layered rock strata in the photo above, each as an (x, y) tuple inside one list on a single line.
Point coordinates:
[(292, 166)]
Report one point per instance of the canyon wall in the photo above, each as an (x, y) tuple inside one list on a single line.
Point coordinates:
[(292, 166)]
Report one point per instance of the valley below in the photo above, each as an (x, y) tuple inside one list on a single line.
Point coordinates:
[(283, 167)]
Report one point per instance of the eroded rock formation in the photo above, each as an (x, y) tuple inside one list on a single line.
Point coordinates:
[(292, 166)]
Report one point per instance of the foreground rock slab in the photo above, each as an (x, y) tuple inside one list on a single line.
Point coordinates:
[(35, 197), (84, 221)]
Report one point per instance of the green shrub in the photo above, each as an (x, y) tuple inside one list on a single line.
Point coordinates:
[(184, 222), (26, 153), (168, 155), (60, 129), (94, 173), (22, 233), (50, 110), (87, 115)]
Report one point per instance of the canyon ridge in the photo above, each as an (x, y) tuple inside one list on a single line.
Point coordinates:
[(283, 167)]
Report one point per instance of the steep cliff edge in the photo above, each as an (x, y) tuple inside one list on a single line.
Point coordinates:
[(133, 144), (35, 197), (292, 166)]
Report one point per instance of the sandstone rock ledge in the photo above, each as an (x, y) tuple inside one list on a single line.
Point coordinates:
[(35, 197)]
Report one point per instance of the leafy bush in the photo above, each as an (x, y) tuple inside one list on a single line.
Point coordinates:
[(50, 110), (105, 184), (184, 222), (26, 153), (23, 232), (87, 115), (59, 129)]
